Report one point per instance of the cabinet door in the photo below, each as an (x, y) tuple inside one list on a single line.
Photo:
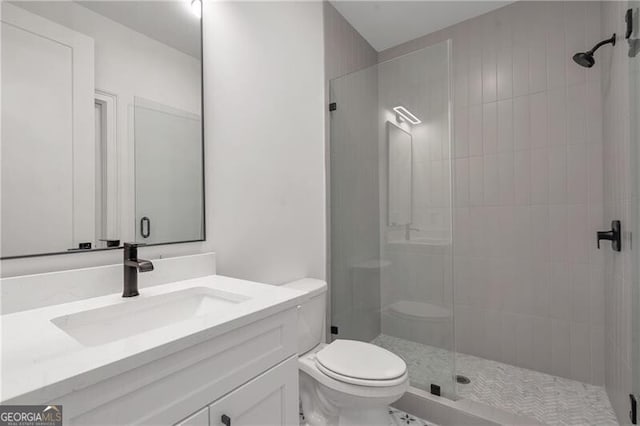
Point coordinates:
[(269, 399)]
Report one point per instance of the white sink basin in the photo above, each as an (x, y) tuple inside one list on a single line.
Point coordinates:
[(140, 314)]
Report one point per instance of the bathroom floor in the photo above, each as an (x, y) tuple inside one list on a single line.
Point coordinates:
[(399, 418), (396, 418), (549, 399)]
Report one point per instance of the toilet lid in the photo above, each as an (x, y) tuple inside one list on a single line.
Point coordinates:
[(361, 360)]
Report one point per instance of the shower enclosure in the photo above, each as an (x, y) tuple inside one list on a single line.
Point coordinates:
[(472, 254), (390, 212)]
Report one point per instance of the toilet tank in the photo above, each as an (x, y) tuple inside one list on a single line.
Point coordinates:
[(311, 313)]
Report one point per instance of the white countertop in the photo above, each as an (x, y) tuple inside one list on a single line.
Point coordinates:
[(40, 362)]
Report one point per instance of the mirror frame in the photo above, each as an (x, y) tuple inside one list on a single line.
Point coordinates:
[(204, 199)]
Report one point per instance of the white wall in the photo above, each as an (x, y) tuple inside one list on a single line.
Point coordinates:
[(264, 85)]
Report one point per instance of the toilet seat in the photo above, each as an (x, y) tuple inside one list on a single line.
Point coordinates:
[(308, 364), (360, 363)]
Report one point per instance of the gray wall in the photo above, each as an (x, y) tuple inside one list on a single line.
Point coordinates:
[(527, 187), (353, 235), (345, 49), (621, 199)]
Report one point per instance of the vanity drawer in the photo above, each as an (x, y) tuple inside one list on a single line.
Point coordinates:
[(167, 390), (270, 399)]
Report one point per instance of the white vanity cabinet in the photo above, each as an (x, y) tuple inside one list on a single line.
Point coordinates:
[(186, 353), (249, 374)]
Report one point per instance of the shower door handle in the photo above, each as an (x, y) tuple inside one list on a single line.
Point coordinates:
[(145, 227), (615, 236)]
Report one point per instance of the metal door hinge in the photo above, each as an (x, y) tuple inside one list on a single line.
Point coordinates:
[(333, 106)]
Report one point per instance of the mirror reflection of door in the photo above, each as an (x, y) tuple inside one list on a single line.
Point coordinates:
[(168, 174)]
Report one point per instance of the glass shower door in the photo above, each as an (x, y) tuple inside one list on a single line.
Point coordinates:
[(390, 212)]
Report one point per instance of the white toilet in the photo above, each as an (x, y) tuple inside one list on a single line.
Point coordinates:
[(345, 382)]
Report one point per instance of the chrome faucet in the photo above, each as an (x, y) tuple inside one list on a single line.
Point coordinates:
[(133, 265)]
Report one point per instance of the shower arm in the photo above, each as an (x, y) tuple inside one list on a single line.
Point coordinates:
[(611, 40)]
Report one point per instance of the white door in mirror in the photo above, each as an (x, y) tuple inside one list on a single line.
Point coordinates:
[(48, 80)]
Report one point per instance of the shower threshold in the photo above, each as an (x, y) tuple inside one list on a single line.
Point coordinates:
[(549, 399)]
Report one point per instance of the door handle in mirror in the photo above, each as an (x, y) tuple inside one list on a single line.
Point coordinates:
[(145, 227)]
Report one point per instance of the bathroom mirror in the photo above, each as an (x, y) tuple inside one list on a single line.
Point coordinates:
[(399, 175), (102, 136)]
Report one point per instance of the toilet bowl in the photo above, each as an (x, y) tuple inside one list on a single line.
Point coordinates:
[(330, 397), (346, 382)]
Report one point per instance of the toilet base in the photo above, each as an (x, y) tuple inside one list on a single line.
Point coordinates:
[(371, 417), (323, 406)]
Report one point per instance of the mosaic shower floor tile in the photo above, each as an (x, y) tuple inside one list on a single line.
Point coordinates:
[(552, 400)]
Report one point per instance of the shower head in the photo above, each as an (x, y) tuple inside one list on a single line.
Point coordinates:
[(585, 59)]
